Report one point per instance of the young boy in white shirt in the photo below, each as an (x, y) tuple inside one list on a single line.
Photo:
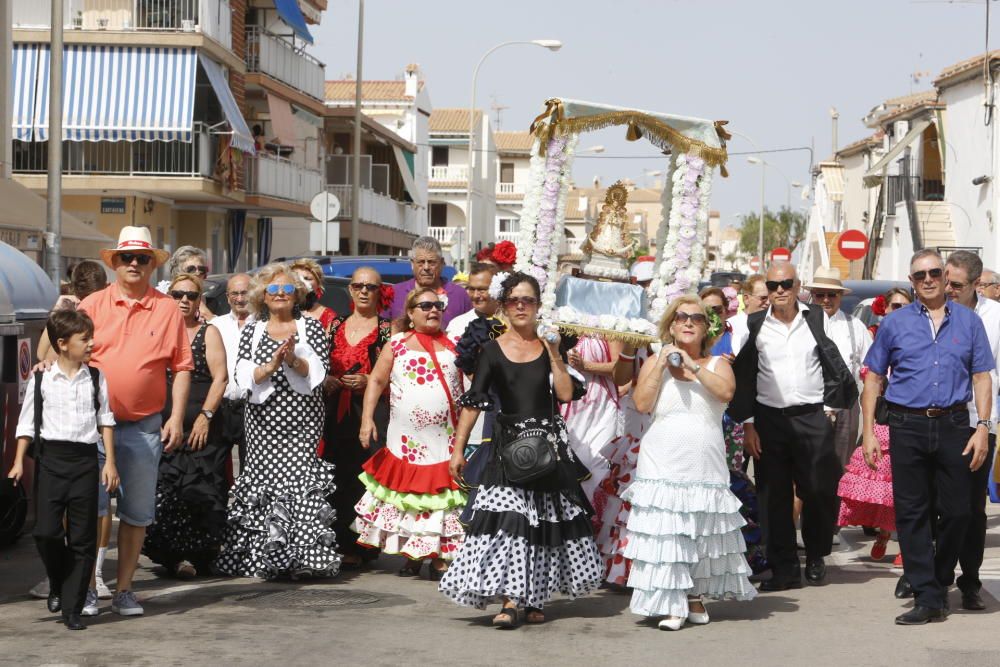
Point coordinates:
[(65, 453)]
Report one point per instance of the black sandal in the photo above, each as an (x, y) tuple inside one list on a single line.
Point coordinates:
[(511, 618), (435, 574)]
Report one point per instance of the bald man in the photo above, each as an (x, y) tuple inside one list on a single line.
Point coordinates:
[(989, 285), (230, 327)]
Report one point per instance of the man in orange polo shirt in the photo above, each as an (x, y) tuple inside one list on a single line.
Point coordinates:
[(139, 335)]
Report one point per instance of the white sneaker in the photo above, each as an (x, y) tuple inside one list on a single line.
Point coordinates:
[(90, 605), (103, 592), (40, 590), (671, 623)]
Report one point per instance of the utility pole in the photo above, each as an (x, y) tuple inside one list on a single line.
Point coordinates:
[(7, 109), (53, 239), (356, 170)]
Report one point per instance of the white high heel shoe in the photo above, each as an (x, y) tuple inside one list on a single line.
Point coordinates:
[(671, 623)]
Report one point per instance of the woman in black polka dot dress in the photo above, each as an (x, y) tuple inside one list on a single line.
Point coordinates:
[(524, 543), (280, 523)]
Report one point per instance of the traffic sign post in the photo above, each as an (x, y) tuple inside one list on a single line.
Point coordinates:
[(324, 207), (755, 264), (781, 255), (852, 244)]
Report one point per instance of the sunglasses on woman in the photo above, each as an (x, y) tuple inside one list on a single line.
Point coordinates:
[(919, 276), (773, 285), (365, 287), (526, 301), (202, 270), (177, 295), (274, 290), (428, 306), (696, 318), (141, 259), (896, 305)]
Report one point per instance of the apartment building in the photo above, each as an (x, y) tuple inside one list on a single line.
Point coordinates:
[(158, 104)]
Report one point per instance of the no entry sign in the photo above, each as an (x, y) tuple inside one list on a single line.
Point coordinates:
[(755, 264), (852, 244), (781, 255)]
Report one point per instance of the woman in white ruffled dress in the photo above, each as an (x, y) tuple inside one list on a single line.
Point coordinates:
[(683, 534)]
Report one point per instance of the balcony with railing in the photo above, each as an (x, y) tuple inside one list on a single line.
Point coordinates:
[(446, 236), (123, 158), (450, 173), (278, 178), (510, 189), (212, 18), (377, 209), (279, 59), (507, 236), (921, 189)]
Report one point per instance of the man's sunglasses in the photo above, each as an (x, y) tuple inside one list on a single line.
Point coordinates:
[(358, 287), (773, 285), (822, 296), (718, 310), (696, 318), (525, 301), (287, 288), (428, 306), (203, 270), (129, 257), (178, 294), (919, 276)]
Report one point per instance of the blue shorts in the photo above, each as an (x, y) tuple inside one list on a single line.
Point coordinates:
[(137, 453)]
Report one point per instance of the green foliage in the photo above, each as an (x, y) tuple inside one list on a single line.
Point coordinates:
[(782, 230)]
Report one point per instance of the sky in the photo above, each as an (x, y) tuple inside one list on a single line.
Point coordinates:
[(772, 68)]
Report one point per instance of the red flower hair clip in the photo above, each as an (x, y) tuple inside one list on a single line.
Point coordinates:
[(386, 295), (505, 253), (878, 305)]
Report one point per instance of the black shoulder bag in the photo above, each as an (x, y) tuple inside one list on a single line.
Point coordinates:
[(532, 454)]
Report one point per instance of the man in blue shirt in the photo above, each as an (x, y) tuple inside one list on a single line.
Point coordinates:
[(939, 356)]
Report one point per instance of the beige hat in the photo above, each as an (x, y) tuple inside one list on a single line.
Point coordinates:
[(132, 239), (827, 278)]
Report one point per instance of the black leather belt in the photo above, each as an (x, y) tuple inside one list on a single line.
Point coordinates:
[(795, 410), (932, 413)]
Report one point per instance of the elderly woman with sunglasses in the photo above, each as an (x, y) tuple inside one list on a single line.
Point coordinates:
[(412, 505), (526, 540), (191, 261), (191, 485), (355, 344), (683, 533), (280, 523)]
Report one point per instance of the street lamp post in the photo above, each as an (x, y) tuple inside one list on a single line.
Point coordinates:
[(760, 220), (551, 45)]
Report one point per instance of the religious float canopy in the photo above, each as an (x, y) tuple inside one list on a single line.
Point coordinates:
[(609, 306)]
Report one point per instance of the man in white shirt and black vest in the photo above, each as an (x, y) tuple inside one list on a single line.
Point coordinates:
[(786, 372)]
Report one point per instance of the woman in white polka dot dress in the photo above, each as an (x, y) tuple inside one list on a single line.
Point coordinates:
[(524, 543), (280, 523)]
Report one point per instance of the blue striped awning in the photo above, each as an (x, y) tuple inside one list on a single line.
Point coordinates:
[(121, 93), (23, 87), (241, 137)]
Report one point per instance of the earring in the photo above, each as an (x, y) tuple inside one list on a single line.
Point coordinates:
[(411, 325)]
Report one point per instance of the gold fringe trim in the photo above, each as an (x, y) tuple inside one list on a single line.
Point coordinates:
[(627, 337), (553, 121)]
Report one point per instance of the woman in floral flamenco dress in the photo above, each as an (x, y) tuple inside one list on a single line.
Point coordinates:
[(412, 504)]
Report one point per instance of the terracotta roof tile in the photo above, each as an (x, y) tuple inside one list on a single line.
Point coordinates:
[(964, 66), (452, 120), (375, 91), (514, 142)]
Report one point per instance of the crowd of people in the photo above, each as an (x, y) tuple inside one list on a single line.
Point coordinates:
[(443, 422)]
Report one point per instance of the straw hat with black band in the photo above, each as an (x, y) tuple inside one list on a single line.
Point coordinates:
[(827, 278)]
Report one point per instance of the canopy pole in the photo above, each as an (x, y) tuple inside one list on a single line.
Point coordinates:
[(53, 240), (356, 166)]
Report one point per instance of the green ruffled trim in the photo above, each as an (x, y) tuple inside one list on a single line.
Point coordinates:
[(409, 502)]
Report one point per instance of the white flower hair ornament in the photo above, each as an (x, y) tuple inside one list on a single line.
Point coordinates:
[(496, 285)]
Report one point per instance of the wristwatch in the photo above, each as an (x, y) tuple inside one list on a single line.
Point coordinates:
[(985, 422), (208, 414)]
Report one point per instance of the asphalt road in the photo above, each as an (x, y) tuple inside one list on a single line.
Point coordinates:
[(375, 618)]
